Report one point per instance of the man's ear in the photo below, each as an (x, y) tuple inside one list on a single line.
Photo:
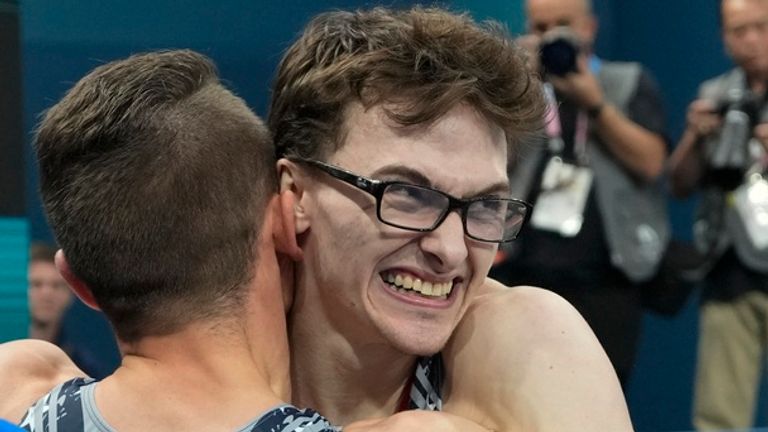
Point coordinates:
[(292, 196), (78, 286), (284, 226)]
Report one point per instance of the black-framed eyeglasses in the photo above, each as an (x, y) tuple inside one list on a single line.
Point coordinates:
[(421, 208)]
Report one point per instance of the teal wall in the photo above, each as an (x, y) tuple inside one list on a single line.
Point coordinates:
[(13, 225), (14, 319), (509, 12)]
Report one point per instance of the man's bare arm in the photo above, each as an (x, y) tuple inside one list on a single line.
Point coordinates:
[(28, 370), (523, 359), (417, 420)]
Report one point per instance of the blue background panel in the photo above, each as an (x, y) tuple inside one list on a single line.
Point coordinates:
[(14, 244)]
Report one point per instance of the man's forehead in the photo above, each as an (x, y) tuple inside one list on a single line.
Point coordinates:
[(356, 116), (557, 9), (451, 128), (741, 9), (459, 152)]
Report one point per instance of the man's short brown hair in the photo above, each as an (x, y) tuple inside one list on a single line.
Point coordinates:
[(155, 178), (44, 252), (419, 63)]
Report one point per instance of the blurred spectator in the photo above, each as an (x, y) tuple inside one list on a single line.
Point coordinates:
[(48, 293), (599, 225), (58, 317), (723, 153)]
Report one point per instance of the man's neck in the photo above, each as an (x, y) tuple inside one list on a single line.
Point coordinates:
[(196, 379), (346, 380)]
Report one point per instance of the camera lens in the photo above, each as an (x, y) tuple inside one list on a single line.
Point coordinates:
[(558, 56)]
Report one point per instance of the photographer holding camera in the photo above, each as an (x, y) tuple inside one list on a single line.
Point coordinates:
[(599, 225), (723, 153)]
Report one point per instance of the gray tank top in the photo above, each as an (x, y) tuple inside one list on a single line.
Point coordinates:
[(71, 407)]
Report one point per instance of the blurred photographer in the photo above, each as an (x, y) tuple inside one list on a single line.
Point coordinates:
[(723, 153), (599, 226)]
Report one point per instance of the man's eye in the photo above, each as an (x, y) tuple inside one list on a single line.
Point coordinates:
[(411, 197)]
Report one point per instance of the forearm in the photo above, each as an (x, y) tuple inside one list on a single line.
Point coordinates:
[(639, 150), (685, 164)]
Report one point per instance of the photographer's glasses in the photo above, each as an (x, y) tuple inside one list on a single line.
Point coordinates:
[(421, 208)]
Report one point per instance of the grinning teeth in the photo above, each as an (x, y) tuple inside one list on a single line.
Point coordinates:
[(426, 288), (407, 283)]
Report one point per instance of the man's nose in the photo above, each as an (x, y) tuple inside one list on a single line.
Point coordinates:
[(446, 246)]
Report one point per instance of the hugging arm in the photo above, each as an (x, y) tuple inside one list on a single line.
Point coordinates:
[(417, 420), (28, 370), (523, 359)]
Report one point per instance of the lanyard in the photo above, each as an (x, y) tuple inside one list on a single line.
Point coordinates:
[(554, 130)]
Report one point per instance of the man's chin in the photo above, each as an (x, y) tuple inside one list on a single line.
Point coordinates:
[(421, 347)]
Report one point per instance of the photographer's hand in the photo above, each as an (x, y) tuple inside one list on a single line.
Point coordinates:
[(686, 164), (580, 87), (702, 119), (639, 150), (761, 133)]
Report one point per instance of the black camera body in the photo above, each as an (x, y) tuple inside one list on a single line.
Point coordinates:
[(559, 51), (728, 158)]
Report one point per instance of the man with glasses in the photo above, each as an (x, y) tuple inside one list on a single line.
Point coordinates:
[(421, 208), (394, 130), (721, 154)]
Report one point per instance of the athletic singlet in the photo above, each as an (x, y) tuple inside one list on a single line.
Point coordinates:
[(425, 386), (70, 407)]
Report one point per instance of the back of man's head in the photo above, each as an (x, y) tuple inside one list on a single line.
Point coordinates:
[(419, 63), (155, 179)]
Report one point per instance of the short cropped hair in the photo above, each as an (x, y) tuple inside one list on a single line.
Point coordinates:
[(418, 63), (155, 179), (41, 252)]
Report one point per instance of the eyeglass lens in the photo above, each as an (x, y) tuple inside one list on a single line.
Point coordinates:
[(412, 206)]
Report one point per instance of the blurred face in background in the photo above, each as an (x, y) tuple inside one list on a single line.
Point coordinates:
[(745, 34), (49, 295), (545, 15)]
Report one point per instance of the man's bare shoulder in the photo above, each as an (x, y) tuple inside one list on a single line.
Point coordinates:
[(523, 311), (30, 368), (416, 420), (524, 359), (524, 322)]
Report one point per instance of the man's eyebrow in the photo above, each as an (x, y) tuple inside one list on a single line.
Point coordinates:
[(402, 173), (499, 189), (416, 177)]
